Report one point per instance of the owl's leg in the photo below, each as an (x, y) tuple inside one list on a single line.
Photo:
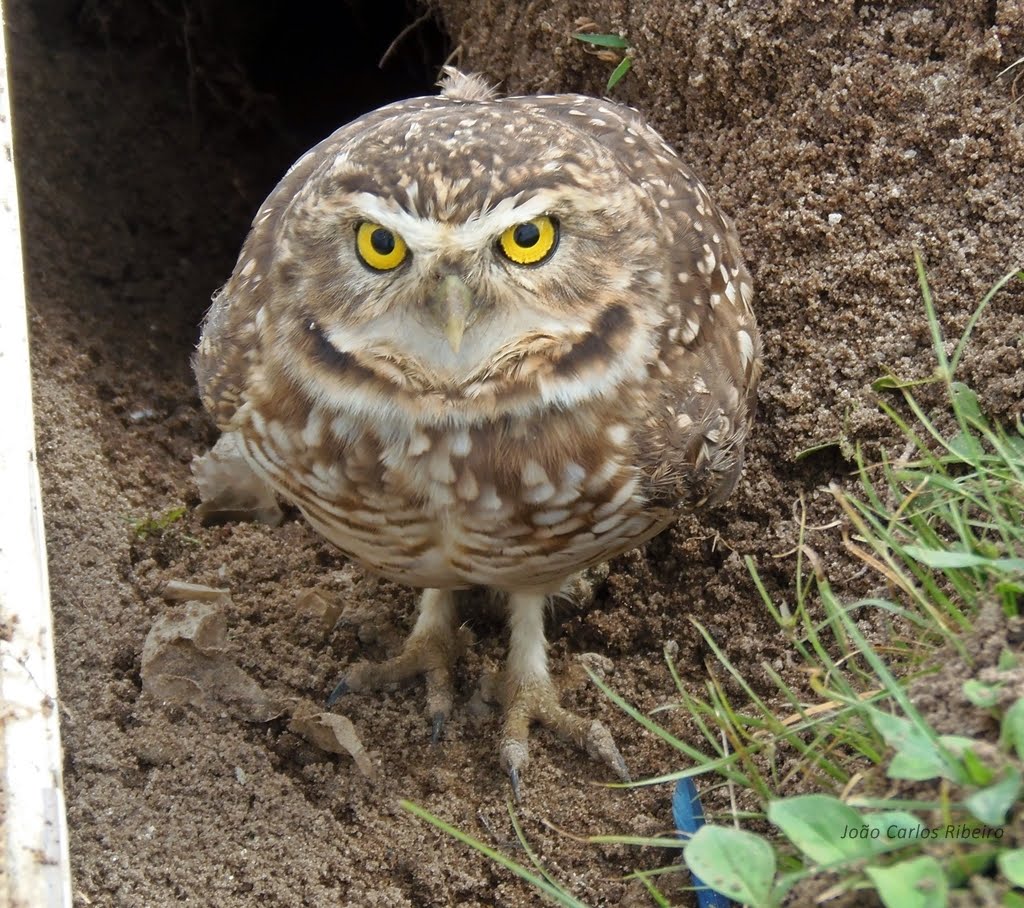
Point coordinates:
[(431, 650), (531, 696)]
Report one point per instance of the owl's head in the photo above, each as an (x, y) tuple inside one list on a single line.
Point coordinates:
[(483, 253)]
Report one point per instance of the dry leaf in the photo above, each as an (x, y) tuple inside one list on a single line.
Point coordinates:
[(332, 733)]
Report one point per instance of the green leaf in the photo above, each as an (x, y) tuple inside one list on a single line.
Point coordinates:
[(619, 72), (1011, 592), (1007, 658), (944, 559), (966, 447), (616, 41), (1012, 731), (828, 831), (981, 694), (652, 890), (918, 767), (977, 772), (1011, 865), (966, 402), (961, 865), (895, 828), (919, 883), (819, 825), (737, 864), (1010, 565), (892, 382), (941, 558), (1012, 900), (818, 447), (918, 756), (990, 805)]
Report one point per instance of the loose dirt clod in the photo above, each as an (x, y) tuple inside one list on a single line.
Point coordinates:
[(185, 660)]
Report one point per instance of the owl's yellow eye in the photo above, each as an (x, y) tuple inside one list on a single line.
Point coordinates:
[(531, 242), (380, 248)]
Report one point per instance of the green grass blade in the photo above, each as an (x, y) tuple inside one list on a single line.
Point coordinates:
[(557, 894), (619, 72), (614, 41)]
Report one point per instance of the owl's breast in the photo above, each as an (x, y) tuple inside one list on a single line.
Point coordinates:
[(510, 505)]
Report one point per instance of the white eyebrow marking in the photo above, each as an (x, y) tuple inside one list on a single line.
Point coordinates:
[(429, 235)]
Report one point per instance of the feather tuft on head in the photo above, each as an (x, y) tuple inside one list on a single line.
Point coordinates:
[(459, 86)]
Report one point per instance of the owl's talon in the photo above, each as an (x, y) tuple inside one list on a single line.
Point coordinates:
[(581, 588), (340, 689), (513, 778), (437, 727), (513, 755), (538, 702), (601, 746), (430, 651)]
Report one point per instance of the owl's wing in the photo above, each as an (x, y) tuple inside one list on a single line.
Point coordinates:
[(704, 382), (701, 396), (691, 443)]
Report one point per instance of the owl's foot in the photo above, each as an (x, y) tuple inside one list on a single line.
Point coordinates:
[(538, 702), (431, 650), (531, 696)]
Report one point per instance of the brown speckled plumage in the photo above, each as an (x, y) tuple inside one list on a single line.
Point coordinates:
[(591, 397)]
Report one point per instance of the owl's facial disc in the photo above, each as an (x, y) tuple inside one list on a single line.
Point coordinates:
[(499, 303)]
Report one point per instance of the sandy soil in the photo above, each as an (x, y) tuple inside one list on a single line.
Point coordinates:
[(840, 137)]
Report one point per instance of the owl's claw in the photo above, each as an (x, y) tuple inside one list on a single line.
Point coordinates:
[(437, 727), (581, 588), (601, 746), (340, 689), (428, 657), (513, 777)]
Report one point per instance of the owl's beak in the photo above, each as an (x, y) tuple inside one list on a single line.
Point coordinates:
[(453, 302)]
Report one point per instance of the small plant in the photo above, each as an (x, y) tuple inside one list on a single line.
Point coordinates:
[(158, 524), (611, 49), (944, 526), (868, 847)]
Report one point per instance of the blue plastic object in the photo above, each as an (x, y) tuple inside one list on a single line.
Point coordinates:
[(688, 816)]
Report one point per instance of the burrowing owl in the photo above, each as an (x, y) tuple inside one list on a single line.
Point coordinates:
[(488, 341)]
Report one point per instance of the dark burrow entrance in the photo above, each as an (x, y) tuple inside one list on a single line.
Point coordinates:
[(280, 73)]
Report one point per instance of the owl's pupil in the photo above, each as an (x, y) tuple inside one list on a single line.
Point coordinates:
[(526, 235), (383, 241)]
